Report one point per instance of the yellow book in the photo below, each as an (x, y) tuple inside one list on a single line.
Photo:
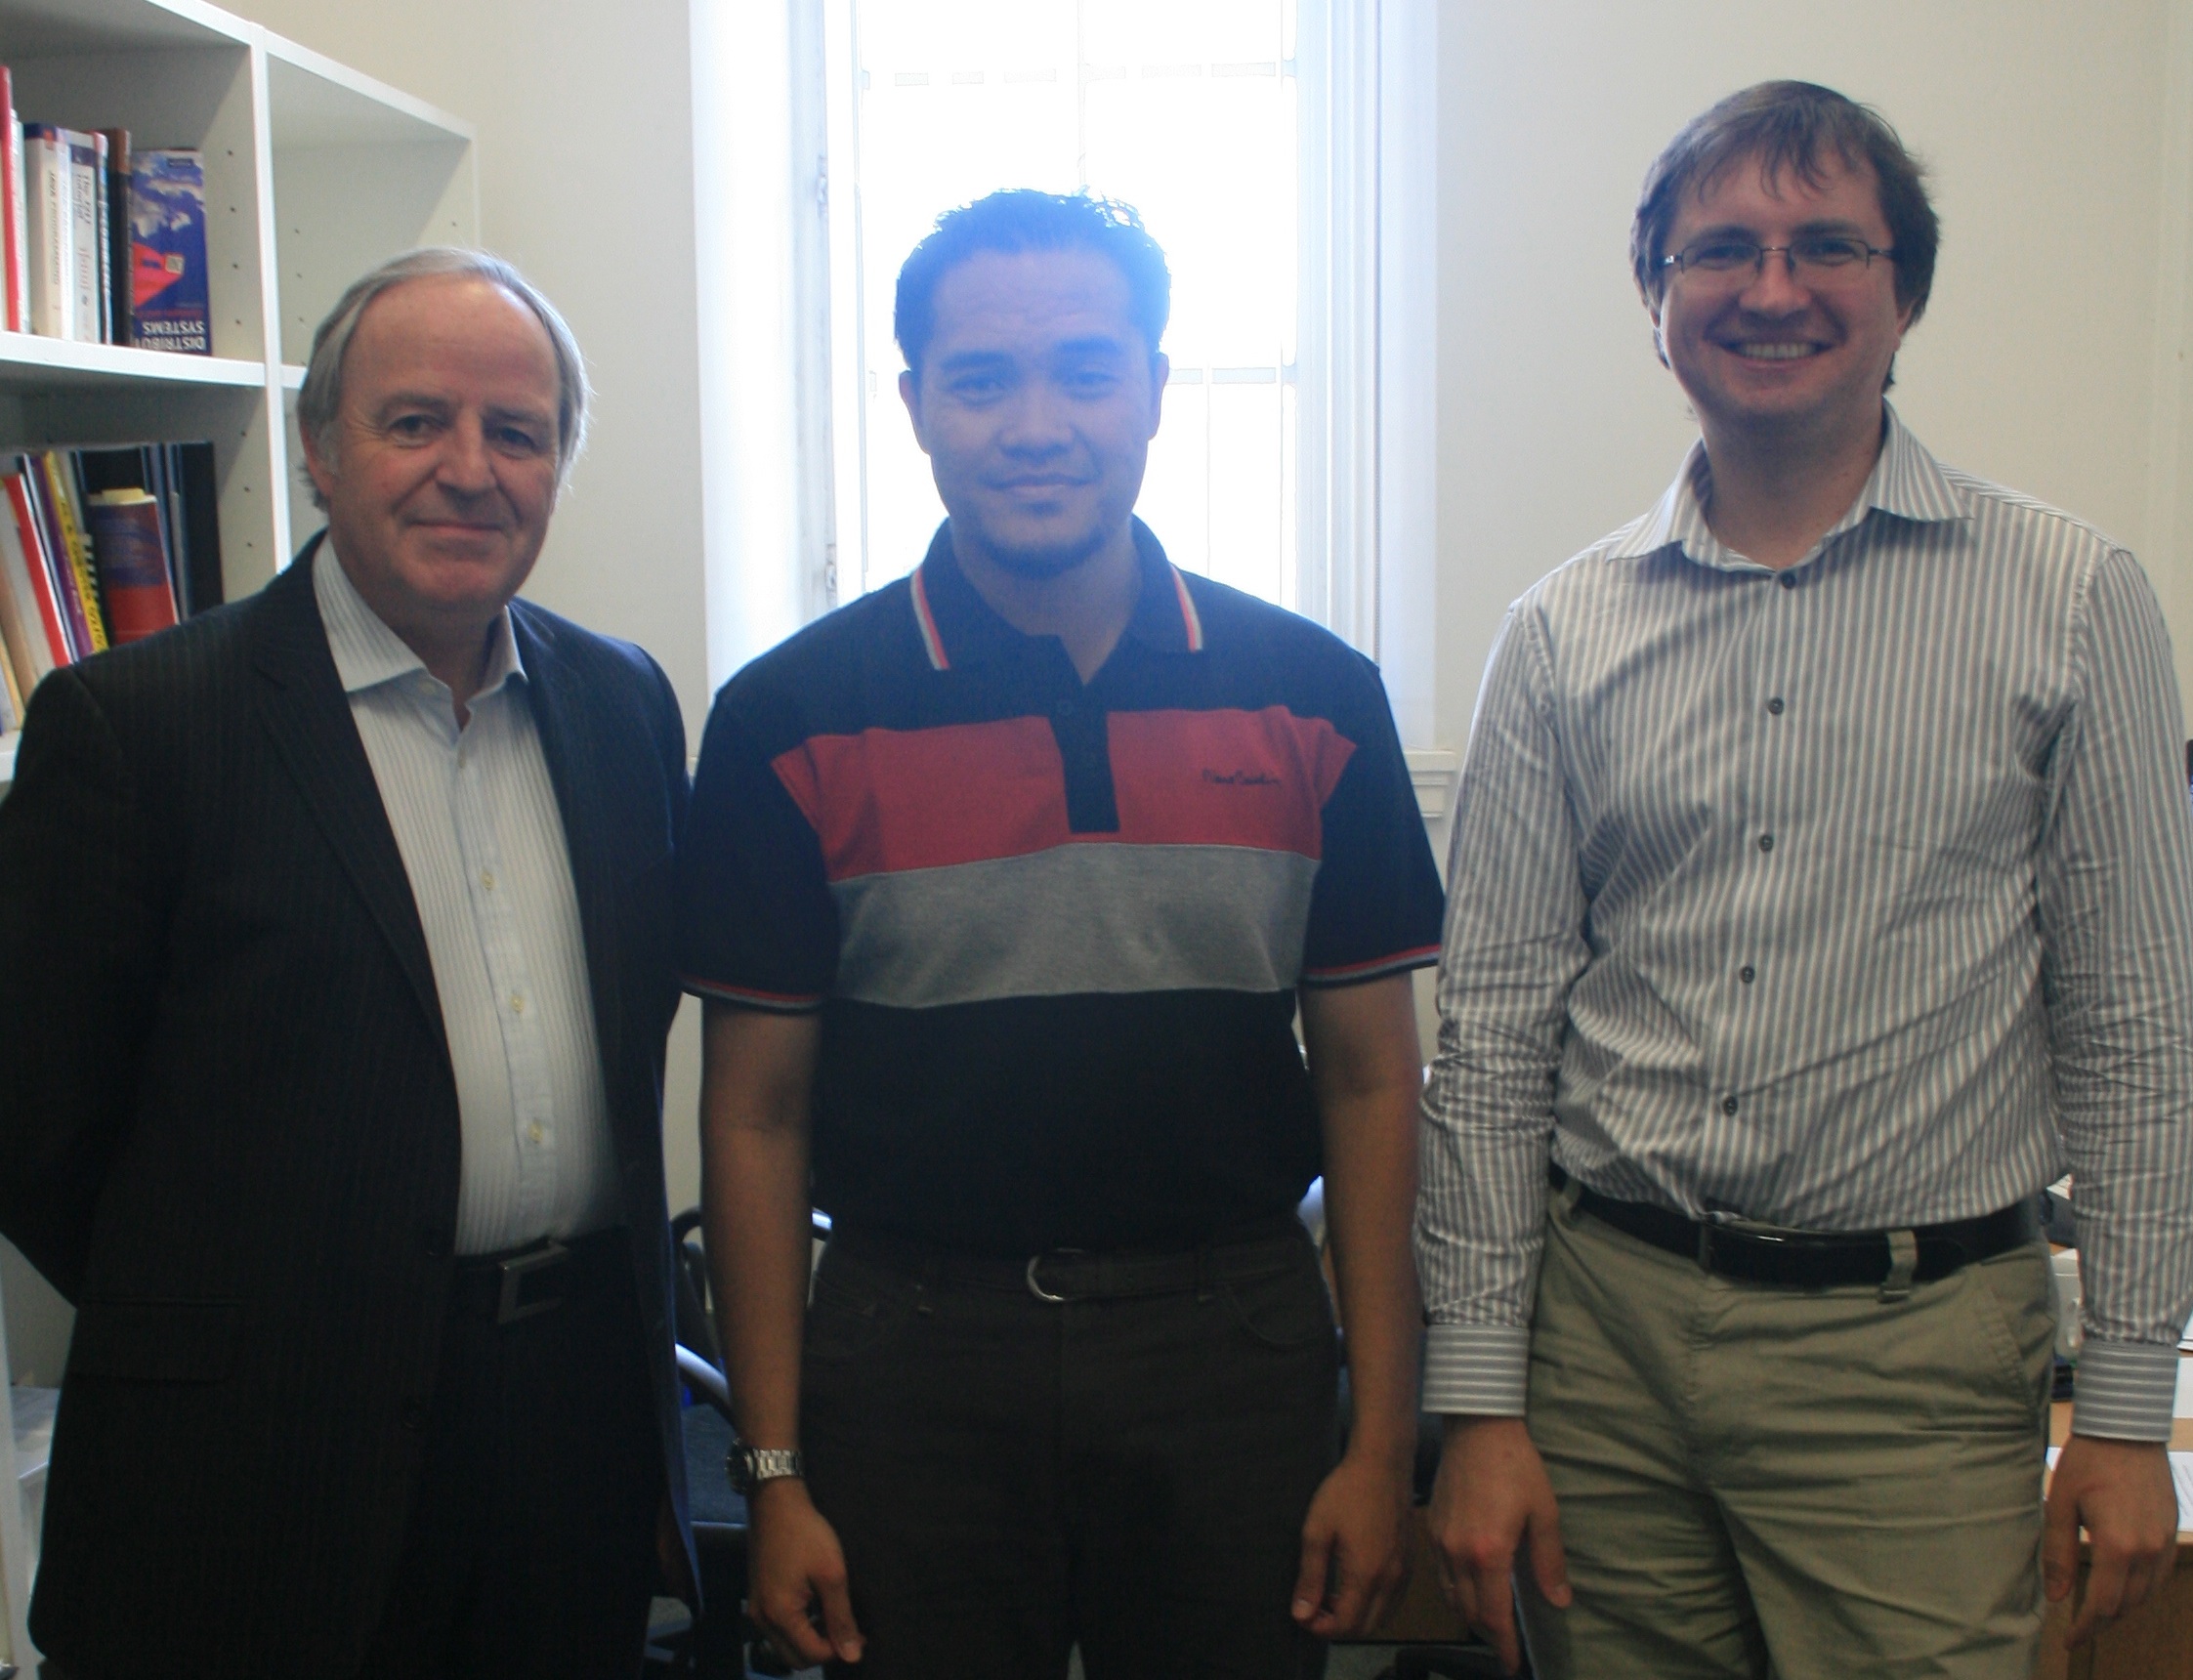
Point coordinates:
[(62, 487)]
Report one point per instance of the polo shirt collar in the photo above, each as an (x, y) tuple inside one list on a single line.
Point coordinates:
[(369, 653), (1906, 482), (958, 627)]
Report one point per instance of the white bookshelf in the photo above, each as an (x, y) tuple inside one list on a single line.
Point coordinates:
[(313, 173)]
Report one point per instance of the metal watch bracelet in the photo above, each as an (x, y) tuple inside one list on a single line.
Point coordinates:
[(748, 1467)]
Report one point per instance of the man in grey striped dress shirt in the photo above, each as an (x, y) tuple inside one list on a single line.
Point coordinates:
[(1822, 887)]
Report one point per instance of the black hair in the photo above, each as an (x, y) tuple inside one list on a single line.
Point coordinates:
[(1022, 219)]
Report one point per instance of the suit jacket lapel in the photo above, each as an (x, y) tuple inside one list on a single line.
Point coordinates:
[(303, 706), (574, 746)]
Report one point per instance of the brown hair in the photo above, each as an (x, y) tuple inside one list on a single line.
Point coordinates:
[(1790, 127)]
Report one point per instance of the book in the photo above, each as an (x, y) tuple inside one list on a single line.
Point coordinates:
[(11, 694), (168, 293), (50, 230), (195, 500), (130, 551), (87, 184), (115, 247), (71, 553), (16, 277), (21, 626), (31, 543)]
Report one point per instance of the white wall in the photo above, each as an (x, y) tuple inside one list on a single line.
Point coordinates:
[(2051, 356), (585, 151)]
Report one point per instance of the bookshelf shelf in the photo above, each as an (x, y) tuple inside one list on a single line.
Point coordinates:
[(28, 362), (314, 172)]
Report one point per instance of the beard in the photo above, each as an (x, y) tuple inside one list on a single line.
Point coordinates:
[(1039, 563)]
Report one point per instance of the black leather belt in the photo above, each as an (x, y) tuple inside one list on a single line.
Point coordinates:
[(1810, 1259), (524, 1283), (1062, 1274)]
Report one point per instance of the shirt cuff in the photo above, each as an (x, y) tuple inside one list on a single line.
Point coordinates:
[(2125, 1390), (1477, 1370)]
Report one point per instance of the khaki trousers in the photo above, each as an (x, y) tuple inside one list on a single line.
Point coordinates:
[(1788, 1484)]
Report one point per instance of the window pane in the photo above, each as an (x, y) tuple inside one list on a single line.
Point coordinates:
[(1183, 110)]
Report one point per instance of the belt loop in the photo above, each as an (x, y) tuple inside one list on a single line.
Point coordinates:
[(1564, 1196), (1902, 1261)]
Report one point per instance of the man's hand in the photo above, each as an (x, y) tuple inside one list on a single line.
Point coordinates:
[(2120, 1491), (1355, 1548), (1490, 1497), (796, 1577)]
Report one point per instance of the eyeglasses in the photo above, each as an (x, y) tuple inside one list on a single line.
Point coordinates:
[(1815, 257)]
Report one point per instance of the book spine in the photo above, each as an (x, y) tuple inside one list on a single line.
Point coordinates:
[(118, 281), (73, 553), (21, 626), (20, 209), (168, 251), (12, 316), (11, 692), (133, 563), (30, 524), (84, 172), (51, 229), (197, 496)]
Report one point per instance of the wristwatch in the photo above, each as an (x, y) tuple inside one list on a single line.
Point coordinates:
[(748, 1467)]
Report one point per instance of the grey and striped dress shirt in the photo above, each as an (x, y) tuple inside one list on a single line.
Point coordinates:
[(1851, 896), (482, 838)]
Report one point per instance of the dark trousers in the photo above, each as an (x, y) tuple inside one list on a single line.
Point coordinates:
[(1011, 1476), (530, 1547)]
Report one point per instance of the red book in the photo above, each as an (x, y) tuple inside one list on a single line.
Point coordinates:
[(59, 571), (133, 563), (41, 573)]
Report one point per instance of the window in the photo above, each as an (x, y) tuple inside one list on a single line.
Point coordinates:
[(1188, 113), (828, 134)]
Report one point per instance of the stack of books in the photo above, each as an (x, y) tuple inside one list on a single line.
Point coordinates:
[(99, 547), (102, 245)]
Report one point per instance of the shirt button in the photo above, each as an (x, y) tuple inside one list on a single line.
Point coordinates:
[(1066, 708), (534, 1131), (1746, 974), (1774, 705), (1788, 580), (488, 876), (1728, 1105), (1766, 842), (517, 1004)]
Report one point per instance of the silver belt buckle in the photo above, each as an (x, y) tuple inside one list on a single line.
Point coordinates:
[(515, 1271), (1034, 1287)]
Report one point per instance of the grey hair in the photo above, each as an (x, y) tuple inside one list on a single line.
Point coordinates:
[(320, 399)]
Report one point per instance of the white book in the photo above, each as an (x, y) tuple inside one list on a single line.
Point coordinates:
[(50, 230), (85, 183)]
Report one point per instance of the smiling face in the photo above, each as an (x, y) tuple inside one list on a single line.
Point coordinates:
[(439, 473), (1764, 352), (1036, 404)]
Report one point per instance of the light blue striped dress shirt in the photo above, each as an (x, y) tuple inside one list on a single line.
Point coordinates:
[(482, 837), (1852, 897)]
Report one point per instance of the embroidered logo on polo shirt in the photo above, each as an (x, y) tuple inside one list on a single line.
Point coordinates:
[(1241, 778)]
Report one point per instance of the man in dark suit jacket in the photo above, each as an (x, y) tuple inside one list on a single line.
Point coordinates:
[(333, 995)]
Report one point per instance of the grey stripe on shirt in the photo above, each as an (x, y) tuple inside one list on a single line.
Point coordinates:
[(1855, 896)]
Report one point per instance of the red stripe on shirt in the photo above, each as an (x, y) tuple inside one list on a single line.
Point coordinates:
[(888, 800)]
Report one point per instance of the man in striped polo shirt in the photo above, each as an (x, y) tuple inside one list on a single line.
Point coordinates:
[(1003, 886), (1822, 885)]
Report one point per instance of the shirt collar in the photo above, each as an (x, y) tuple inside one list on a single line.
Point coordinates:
[(369, 653), (1906, 482), (958, 627)]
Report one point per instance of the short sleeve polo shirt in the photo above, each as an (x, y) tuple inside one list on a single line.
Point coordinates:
[(1054, 929)]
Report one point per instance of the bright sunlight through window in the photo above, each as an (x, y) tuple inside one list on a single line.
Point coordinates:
[(1187, 111)]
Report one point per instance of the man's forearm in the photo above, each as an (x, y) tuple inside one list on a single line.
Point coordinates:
[(1371, 1184), (757, 1074), (754, 1187)]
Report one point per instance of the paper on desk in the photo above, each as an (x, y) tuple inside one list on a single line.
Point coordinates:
[(2181, 1477)]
